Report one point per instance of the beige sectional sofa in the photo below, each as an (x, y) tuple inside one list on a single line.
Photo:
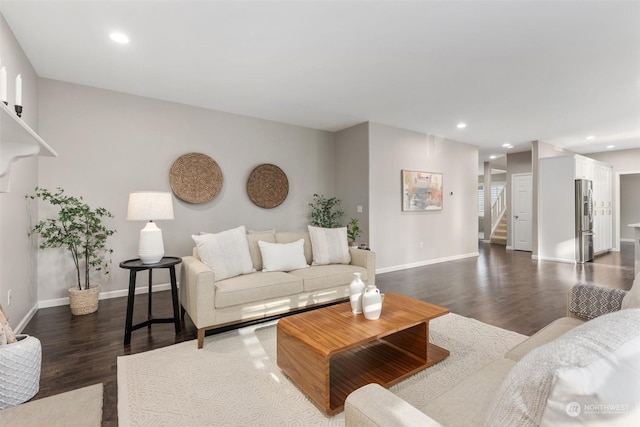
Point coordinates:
[(572, 372), (213, 303)]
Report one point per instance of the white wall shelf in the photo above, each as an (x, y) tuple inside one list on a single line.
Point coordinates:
[(17, 140)]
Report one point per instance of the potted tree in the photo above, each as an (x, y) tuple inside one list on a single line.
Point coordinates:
[(353, 231), (81, 230)]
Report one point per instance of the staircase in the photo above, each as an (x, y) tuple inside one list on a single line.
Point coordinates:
[(499, 235)]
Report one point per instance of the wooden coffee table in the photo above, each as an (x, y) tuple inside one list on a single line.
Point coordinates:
[(330, 352)]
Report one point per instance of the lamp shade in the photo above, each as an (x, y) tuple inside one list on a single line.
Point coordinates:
[(150, 206)]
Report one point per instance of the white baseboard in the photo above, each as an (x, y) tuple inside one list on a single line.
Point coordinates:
[(26, 319), (107, 295), (423, 263), (566, 261)]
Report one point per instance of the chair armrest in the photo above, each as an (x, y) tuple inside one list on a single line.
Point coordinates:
[(365, 259), (588, 302), (197, 290), (373, 405)]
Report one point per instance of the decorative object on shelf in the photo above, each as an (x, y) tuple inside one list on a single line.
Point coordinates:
[(20, 364), (421, 191), (353, 231), (195, 178), (150, 206), (3, 85), (19, 95), (355, 293), (267, 186), (371, 302), (81, 230), (325, 212)]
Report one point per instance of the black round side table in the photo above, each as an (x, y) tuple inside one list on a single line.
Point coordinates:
[(135, 265)]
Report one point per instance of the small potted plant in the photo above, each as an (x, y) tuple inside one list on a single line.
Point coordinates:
[(325, 212), (81, 230), (353, 231)]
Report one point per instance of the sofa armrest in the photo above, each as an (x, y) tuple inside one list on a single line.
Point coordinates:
[(588, 302), (197, 289), (373, 405), (365, 259)]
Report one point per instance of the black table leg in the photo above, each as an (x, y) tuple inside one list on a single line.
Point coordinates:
[(174, 297), (130, 298), (149, 311)]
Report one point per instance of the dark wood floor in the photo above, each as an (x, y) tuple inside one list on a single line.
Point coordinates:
[(503, 288)]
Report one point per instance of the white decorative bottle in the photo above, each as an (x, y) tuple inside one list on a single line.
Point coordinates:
[(372, 302), (355, 291)]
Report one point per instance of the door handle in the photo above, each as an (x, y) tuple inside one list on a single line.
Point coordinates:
[(516, 216)]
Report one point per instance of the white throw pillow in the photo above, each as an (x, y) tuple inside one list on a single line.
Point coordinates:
[(632, 299), (588, 376), (282, 256), (329, 245), (226, 253)]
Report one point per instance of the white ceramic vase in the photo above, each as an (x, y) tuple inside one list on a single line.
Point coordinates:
[(372, 302), (355, 293)]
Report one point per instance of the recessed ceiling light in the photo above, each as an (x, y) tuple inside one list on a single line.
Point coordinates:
[(507, 145), (461, 125), (591, 137), (492, 157), (609, 147), (119, 37)]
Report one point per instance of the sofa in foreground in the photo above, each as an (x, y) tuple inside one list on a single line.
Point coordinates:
[(234, 276), (583, 369)]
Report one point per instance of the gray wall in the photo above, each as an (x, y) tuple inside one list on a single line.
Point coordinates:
[(17, 265), (352, 175), (395, 235), (111, 144)]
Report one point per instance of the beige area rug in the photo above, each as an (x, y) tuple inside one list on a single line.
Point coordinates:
[(77, 408), (235, 381)]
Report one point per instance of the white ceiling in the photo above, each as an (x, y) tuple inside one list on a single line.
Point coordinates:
[(513, 71)]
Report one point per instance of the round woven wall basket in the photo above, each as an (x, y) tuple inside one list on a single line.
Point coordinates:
[(84, 301), (195, 178), (267, 186)]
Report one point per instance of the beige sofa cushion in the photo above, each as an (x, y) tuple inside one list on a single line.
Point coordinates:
[(226, 253), (330, 245), (288, 237), (318, 277), (259, 286), (467, 403), (547, 334), (254, 249), (588, 376)]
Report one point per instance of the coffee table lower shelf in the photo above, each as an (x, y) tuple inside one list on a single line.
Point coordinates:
[(329, 379), (378, 362)]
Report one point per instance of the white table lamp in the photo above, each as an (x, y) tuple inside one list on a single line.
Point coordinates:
[(150, 206)]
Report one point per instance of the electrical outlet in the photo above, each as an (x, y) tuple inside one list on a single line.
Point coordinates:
[(359, 209), (9, 297), (421, 244)]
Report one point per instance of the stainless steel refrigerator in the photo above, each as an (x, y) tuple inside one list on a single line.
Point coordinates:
[(584, 220)]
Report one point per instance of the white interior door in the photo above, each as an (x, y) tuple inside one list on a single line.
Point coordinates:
[(521, 206)]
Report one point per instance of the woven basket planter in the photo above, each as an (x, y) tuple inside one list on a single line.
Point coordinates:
[(20, 364), (83, 301)]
